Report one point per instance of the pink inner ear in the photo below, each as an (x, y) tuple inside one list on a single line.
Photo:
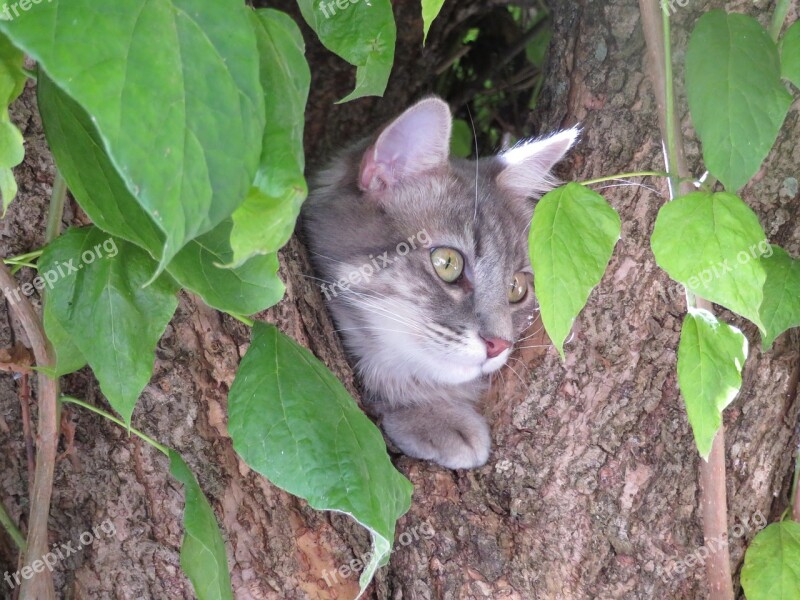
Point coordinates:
[(415, 142), (369, 176)]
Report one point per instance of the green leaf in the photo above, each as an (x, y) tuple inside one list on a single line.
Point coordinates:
[(8, 187), (85, 166), (710, 243), (12, 77), (572, 237), (12, 149), (203, 557), (96, 295), (244, 290), (790, 54), (363, 34), (771, 568), (266, 219), (102, 194), (711, 355), (173, 89), (430, 10), (780, 308), (292, 421), (461, 142), (736, 97), (68, 358)]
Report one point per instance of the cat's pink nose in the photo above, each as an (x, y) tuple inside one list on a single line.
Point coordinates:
[(495, 346)]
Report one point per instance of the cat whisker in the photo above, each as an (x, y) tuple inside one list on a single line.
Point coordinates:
[(537, 332), (373, 328), (524, 383), (383, 311)]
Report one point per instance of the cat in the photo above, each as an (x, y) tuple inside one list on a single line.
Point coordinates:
[(423, 260)]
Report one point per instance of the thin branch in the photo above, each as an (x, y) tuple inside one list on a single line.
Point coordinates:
[(27, 432), (655, 23), (778, 17), (40, 586), (56, 211)]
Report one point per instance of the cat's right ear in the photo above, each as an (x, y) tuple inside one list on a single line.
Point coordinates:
[(415, 142)]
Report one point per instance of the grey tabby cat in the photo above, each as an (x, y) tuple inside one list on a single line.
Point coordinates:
[(424, 260)]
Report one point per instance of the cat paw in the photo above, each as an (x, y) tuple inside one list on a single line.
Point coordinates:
[(456, 437)]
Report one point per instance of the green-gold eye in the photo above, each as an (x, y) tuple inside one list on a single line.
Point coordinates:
[(518, 287), (448, 264)]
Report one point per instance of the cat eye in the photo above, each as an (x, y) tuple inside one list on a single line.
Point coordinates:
[(518, 288), (448, 264)]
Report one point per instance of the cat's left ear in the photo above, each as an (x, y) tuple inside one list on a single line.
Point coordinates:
[(527, 167), (415, 142)]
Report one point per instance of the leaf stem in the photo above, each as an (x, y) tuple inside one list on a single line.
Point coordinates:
[(623, 175), (56, 211), (246, 320), (671, 153), (795, 499), (778, 17), (12, 529), (113, 419)]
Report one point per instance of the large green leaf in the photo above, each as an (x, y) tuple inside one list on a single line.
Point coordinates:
[(85, 166), (711, 244), (780, 308), (771, 568), (203, 557), (244, 290), (292, 421), (12, 150), (735, 94), (363, 33), (173, 89), (68, 358), (430, 10), (266, 220), (97, 297), (572, 237), (100, 191), (711, 355), (790, 54)]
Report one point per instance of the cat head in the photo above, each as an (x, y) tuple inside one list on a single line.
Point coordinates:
[(424, 257)]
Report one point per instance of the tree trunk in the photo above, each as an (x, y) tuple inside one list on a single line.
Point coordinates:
[(591, 490)]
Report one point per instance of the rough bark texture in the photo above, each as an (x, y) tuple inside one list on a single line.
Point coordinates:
[(591, 490)]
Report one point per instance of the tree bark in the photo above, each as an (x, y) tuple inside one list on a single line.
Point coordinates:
[(592, 487)]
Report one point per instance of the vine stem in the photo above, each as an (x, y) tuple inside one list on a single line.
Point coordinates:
[(113, 419), (778, 17), (56, 211), (40, 586), (624, 175), (12, 529), (712, 472)]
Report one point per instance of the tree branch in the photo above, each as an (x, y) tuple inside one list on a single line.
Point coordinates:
[(40, 586), (655, 23)]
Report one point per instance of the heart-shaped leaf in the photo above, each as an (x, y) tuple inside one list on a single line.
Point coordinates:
[(572, 237), (711, 356)]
